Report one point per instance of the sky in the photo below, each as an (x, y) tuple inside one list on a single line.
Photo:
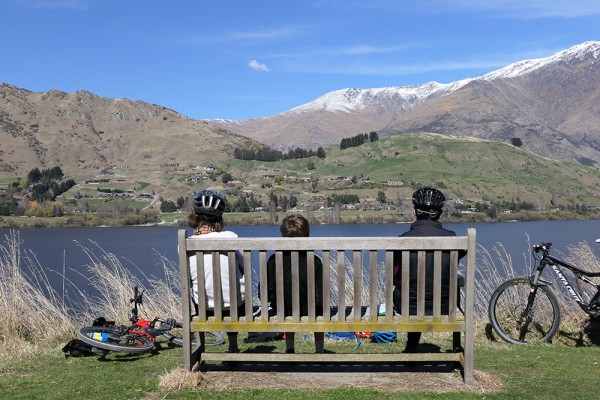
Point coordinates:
[(252, 58)]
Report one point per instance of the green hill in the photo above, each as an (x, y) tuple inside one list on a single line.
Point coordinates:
[(467, 169)]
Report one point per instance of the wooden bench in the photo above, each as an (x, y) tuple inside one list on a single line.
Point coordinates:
[(369, 263)]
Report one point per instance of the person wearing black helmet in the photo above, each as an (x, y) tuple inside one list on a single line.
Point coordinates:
[(428, 204), (207, 221)]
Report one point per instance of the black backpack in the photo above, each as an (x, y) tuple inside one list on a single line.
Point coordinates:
[(77, 348)]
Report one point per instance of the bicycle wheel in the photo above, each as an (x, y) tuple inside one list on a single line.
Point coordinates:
[(210, 339), (115, 338), (507, 312)]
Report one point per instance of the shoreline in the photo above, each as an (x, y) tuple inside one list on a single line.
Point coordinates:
[(266, 219)]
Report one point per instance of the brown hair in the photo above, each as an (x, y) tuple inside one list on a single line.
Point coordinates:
[(196, 221), (295, 225)]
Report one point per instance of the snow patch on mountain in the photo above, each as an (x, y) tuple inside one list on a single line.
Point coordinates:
[(352, 99), (527, 66)]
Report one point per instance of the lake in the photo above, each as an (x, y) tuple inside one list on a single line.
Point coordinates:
[(142, 247)]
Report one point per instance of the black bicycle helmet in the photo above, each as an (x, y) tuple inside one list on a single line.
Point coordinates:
[(209, 203), (428, 199)]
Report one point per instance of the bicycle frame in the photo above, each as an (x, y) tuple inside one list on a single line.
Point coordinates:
[(556, 265), (142, 326)]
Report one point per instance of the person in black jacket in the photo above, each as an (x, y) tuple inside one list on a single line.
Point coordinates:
[(428, 204), (296, 226)]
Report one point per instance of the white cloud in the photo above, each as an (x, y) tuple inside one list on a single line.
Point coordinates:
[(256, 66), (247, 36)]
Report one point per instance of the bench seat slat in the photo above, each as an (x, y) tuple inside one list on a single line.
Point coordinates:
[(365, 326)]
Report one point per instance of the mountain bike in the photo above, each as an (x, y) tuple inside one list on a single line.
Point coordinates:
[(525, 309), (139, 337)]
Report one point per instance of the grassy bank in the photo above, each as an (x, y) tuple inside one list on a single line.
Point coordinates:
[(37, 321), (507, 371)]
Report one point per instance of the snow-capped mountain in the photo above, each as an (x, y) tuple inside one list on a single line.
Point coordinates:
[(552, 104), (578, 52)]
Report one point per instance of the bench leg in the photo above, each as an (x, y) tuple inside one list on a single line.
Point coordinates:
[(289, 342), (232, 338), (456, 342), (320, 342), (199, 340)]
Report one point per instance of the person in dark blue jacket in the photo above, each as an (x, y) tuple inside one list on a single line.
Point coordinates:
[(428, 204)]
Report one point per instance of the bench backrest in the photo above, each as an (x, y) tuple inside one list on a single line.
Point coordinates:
[(368, 261)]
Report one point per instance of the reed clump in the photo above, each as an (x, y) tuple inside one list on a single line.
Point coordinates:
[(35, 313), (31, 310)]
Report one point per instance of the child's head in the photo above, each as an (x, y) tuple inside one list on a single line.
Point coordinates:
[(295, 226)]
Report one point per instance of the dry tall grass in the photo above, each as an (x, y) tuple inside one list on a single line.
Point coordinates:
[(31, 310), (35, 313)]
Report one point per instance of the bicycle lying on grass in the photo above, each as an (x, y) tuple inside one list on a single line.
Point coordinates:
[(138, 337), (525, 309)]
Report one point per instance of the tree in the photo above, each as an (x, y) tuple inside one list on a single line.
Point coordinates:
[(168, 206), (381, 197), (55, 173), (321, 152), (241, 204), (516, 142), (373, 137), (180, 202), (34, 175), (226, 177), (283, 203), (293, 201)]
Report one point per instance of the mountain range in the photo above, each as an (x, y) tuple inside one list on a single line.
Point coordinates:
[(552, 104)]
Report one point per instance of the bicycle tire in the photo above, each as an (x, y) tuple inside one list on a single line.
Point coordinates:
[(506, 308), (115, 339), (210, 339)]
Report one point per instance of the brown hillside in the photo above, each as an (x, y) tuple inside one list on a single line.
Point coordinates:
[(84, 133)]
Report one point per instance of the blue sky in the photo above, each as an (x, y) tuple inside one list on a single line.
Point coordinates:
[(246, 59)]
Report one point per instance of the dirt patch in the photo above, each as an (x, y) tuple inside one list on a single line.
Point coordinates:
[(403, 379)]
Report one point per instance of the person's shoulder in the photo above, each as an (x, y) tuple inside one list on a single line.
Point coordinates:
[(448, 231), (225, 234)]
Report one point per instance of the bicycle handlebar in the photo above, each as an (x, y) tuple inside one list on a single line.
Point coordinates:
[(137, 296), (542, 247)]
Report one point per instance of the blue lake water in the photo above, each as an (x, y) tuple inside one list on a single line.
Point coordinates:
[(140, 248)]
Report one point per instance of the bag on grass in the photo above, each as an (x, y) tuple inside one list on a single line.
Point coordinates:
[(344, 336), (383, 337), (77, 348), (261, 337)]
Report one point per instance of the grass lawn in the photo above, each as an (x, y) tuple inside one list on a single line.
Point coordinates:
[(541, 371)]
